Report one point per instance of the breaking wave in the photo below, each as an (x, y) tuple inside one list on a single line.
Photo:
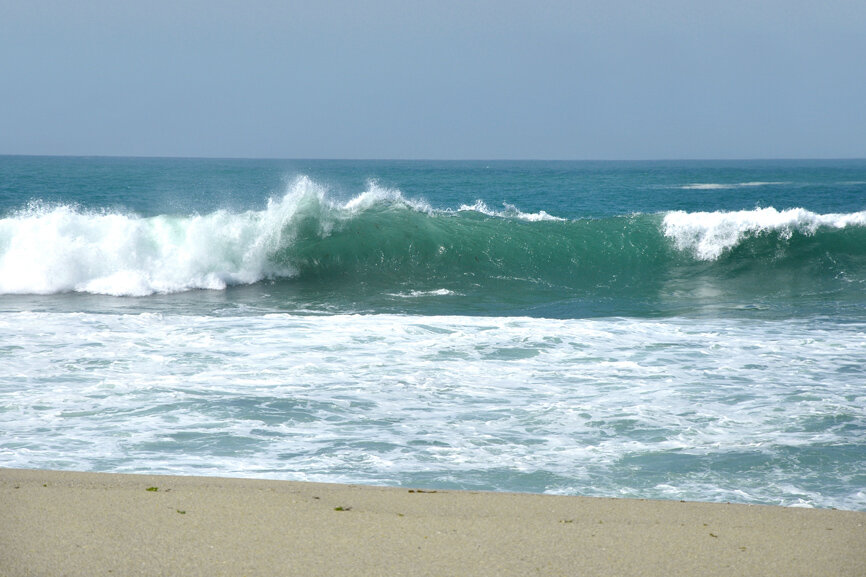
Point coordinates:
[(384, 239)]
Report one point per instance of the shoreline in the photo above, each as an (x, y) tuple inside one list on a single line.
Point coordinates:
[(70, 523)]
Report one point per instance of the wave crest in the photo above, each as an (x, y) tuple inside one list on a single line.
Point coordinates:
[(707, 235), (509, 211), (50, 249), (61, 248), (382, 241)]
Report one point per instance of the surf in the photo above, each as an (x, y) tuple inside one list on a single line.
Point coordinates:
[(380, 241)]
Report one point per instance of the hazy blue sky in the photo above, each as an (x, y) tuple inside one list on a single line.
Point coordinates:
[(438, 79)]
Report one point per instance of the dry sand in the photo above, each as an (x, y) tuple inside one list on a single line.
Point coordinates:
[(63, 523)]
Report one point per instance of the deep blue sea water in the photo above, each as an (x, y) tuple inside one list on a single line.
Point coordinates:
[(680, 330)]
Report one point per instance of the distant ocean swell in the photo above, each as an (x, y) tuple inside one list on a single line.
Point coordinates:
[(382, 238)]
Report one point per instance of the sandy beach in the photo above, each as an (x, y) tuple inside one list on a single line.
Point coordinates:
[(65, 523)]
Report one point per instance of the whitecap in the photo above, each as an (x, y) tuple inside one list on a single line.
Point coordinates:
[(710, 234)]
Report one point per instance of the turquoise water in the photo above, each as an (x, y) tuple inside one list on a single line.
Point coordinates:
[(687, 330)]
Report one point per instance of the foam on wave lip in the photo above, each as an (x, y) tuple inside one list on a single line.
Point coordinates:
[(51, 249), (708, 235), (509, 211), (60, 249), (377, 195)]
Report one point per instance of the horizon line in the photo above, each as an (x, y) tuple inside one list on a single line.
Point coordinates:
[(433, 159)]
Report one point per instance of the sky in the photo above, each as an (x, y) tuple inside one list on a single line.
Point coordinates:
[(382, 79)]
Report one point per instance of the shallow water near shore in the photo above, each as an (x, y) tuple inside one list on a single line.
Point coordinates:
[(691, 330)]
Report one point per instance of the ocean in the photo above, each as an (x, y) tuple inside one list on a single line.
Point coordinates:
[(688, 330)]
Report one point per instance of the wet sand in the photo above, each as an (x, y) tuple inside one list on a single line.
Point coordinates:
[(64, 523)]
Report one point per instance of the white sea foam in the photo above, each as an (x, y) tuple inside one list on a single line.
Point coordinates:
[(615, 407), (710, 234), (58, 249)]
